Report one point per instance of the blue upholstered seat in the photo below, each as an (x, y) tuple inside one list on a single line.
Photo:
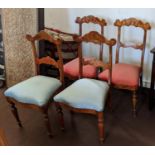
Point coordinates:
[(85, 94), (36, 90)]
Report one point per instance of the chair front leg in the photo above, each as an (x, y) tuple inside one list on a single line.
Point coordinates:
[(101, 126), (47, 123), (61, 118), (134, 102), (15, 113), (109, 101), (72, 113)]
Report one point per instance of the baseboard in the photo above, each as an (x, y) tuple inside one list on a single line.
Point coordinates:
[(146, 84)]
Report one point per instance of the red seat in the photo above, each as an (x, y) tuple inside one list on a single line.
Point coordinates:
[(123, 74), (72, 69)]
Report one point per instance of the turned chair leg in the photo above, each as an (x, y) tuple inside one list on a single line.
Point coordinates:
[(101, 126), (15, 113), (134, 102), (47, 123), (72, 113), (61, 118)]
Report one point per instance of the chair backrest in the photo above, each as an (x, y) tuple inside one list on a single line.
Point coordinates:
[(3, 141), (69, 46), (92, 20), (95, 38), (44, 36), (135, 23)]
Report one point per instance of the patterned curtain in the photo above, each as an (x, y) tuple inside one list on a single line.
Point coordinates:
[(16, 23)]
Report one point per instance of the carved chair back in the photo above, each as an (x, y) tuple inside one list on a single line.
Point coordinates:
[(95, 38), (94, 20), (136, 23), (44, 36)]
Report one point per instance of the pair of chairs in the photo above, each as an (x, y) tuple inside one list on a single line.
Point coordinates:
[(124, 75), (84, 96)]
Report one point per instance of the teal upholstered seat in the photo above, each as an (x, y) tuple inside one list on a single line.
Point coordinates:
[(36, 90), (85, 94)]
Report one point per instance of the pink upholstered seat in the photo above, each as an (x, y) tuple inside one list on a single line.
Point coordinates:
[(123, 74), (72, 69)]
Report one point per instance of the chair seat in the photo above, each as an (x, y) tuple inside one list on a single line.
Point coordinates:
[(85, 94), (36, 90), (123, 74), (72, 69)]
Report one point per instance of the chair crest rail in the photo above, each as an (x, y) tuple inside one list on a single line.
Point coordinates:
[(132, 22), (91, 19), (96, 38)]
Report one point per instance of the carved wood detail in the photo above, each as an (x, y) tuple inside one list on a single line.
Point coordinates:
[(91, 19), (135, 46), (96, 38), (134, 22), (97, 63), (47, 60)]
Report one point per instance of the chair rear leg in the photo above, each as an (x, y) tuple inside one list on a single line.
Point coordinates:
[(141, 81), (72, 113), (61, 118), (109, 101), (47, 123), (134, 102), (101, 126), (15, 113)]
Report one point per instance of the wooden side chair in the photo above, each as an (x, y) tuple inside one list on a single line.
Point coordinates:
[(71, 69), (88, 95), (3, 140), (126, 76), (37, 92)]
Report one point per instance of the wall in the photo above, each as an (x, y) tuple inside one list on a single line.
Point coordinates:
[(58, 18), (18, 53), (64, 19)]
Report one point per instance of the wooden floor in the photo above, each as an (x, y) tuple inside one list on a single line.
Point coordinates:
[(121, 128)]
